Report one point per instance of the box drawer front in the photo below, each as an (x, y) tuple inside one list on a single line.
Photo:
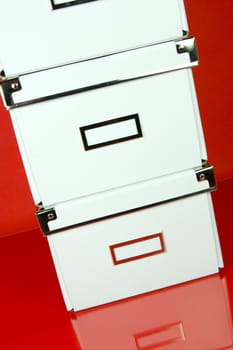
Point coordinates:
[(136, 253), (53, 32), (110, 137)]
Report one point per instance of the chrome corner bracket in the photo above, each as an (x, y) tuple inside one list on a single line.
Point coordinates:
[(44, 216), (188, 46), (2, 74), (206, 173), (9, 86)]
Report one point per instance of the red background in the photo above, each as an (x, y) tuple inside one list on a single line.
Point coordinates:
[(32, 312), (210, 21)]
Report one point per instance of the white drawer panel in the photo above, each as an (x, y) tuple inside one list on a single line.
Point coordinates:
[(47, 33), (135, 253), (164, 136)]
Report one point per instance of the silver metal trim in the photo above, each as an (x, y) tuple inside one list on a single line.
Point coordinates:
[(45, 215), (183, 46), (9, 86), (207, 173), (188, 46)]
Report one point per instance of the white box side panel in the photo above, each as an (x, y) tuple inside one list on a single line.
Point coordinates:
[(198, 118), (27, 165), (183, 16), (93, 278), (63, 287), (216, 236)]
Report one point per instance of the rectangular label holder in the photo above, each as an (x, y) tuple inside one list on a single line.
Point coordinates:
[(111, 131), (137, 249), (58, 4)]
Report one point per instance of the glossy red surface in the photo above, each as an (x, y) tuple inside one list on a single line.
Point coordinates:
[(188, 316), (193, 315)]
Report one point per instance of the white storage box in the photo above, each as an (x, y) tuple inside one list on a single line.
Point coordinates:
[(45, 33), (144, 240), (191, 316), (120, 121)]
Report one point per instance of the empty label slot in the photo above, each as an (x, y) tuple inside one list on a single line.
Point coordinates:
[(57, 4), (111, 132), (163, 336), (137, 249)]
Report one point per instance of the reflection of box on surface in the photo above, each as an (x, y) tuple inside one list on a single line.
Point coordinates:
[(192, 316), (108, 126)]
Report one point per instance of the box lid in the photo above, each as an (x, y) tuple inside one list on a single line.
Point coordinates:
[(126, 199), (96, 73), (40, 34)]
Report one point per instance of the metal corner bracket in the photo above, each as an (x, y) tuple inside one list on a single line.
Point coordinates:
[(9, 86), (188, 46), (2, 74), (206, 173), (44, 216)]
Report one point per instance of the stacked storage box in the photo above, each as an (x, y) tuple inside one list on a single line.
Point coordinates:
[(103, 104)]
